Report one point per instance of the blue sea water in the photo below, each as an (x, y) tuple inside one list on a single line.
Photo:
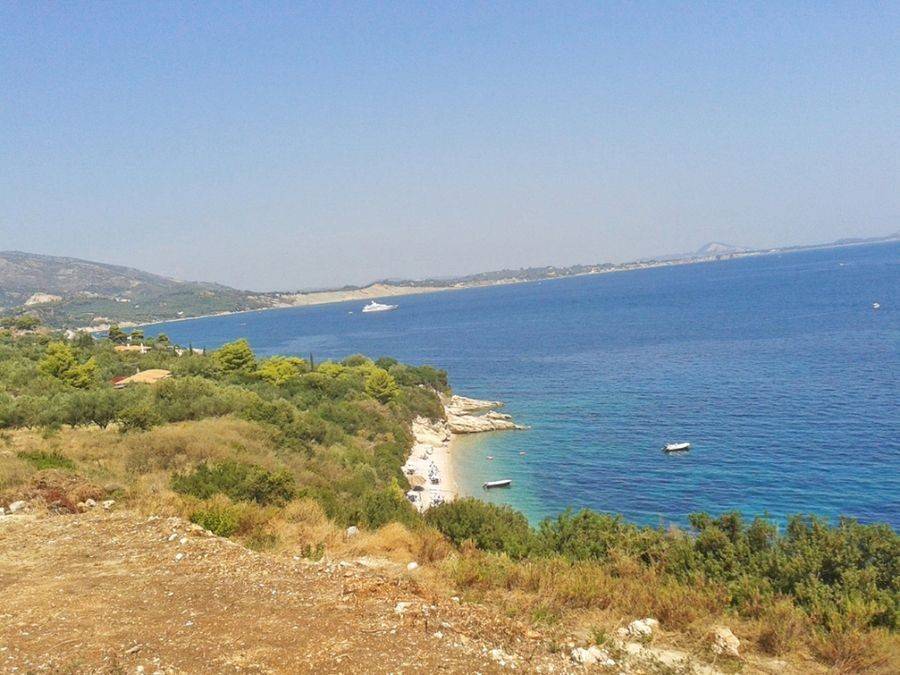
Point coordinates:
[(776, 368)]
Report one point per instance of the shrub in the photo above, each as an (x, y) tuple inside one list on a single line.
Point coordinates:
[(281, 370), (41, 459), (138, 417), (381, 386), (235, 357), (218, 516), (240, 482), (783, 628), (385, 506), (490, 527), (59, 361)]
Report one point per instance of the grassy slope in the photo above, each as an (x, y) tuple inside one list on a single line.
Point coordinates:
[(90, 290)]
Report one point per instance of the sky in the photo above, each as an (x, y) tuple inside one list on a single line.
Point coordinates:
[(277, 146)]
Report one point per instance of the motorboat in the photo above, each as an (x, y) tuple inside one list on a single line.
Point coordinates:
[(676, 447), (496, 484), (876, 305), (378, 307)]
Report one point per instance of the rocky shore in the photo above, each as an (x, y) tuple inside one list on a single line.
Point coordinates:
[(429, 467)]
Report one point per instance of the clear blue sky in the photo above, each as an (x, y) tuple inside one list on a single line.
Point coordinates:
[(270, 145)]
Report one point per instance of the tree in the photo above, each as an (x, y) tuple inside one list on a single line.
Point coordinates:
[(27, 322), (280, 370), (136, 335), (162, 339), (59, 361), (381, 386), (83, 340), (235, 357), (116, 334)]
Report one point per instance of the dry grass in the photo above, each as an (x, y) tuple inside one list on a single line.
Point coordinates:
[(567, 597)]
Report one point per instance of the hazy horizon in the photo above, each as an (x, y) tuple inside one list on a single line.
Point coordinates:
[(283, 146)]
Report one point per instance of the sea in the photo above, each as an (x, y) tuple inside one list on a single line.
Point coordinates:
[(777, 369)]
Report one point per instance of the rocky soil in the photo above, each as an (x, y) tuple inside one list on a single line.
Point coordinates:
[(111, 591), (118, 592)]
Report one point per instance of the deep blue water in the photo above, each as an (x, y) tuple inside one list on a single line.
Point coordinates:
[(776, 368)]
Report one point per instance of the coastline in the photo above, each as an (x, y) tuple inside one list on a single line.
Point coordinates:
[(430, 468), (383, 291)]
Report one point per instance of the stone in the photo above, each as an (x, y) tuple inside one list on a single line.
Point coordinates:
[(463, 404), (183, 541), (438, 635), (591, 656), (641, 628), (179, 557), (173, 536), (15, 507), (500, 656), (401, 607), (725, 643), (473, 424), (108, 504), (412, 566), (90, 503), (352, 531)]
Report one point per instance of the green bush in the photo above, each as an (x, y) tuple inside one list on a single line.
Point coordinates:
[(47, 460), (235, 357), (240, 482), (138, 417), (388, 506), (494, 528), (219, 518)]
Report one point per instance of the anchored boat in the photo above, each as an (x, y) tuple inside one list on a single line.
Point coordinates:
[(497, 484), (676, 447), (378, 307)]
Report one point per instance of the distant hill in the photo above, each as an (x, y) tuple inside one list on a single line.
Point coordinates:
[(70, 291), (718, 248)]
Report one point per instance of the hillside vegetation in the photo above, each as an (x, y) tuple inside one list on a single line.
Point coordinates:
[(283, 455), (73, 292)]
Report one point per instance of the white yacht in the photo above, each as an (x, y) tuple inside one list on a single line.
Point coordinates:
[(378, 307), (677, 447)]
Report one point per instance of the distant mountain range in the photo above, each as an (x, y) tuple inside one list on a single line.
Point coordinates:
[(69, 292)]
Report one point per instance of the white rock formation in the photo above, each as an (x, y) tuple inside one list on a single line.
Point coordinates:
[(460, 405), (461, 417), (725, 642), (639, 628), (41, 298), (591, 656)]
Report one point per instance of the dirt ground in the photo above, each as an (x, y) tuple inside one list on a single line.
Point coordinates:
[(118, 592)]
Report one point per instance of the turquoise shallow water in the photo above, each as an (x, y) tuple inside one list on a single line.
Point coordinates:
[(776, 368)]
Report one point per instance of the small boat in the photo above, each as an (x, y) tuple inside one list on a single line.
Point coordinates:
[(676, 447), (522, 454), (378, 307), (490, 457), (496, 484), (876, 305)]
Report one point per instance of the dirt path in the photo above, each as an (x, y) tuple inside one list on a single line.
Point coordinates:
[(116, 592)]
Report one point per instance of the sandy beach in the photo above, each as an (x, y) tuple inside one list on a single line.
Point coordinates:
[(429, 467)]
